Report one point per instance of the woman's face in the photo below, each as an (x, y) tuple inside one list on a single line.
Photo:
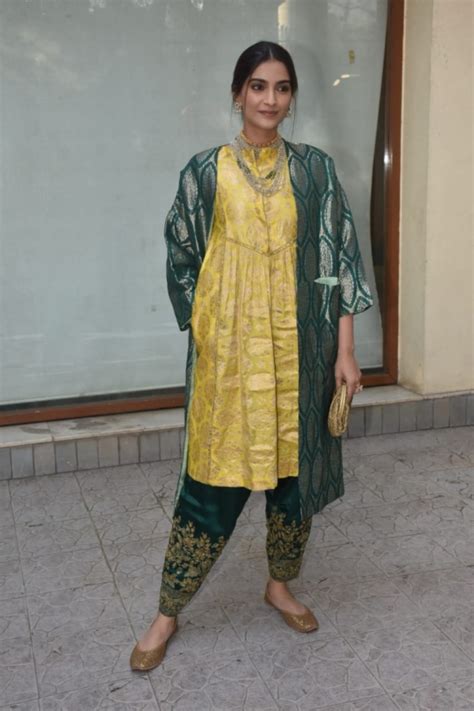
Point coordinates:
[(266, 96)]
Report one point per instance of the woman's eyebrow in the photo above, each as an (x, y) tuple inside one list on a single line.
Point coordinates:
[(265, 81)]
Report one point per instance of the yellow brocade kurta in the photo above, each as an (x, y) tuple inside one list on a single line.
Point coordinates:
[(243, 415)]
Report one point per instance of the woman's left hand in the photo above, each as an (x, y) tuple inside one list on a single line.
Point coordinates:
[(347, 370)]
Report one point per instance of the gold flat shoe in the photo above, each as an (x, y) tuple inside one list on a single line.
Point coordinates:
[(145, 660), (306, 622)]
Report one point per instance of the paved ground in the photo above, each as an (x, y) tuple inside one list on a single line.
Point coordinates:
[(388, 571)]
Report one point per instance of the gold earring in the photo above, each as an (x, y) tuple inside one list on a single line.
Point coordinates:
[(290, 111), (237, 107)]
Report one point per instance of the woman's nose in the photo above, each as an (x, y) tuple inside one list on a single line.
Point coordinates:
[(270, 98)]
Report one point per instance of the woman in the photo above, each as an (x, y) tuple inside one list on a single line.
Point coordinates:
[(264, 269)]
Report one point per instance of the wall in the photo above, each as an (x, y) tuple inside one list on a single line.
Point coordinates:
[(436, 283)]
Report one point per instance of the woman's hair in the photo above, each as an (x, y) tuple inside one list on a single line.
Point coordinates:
[(253, 56)]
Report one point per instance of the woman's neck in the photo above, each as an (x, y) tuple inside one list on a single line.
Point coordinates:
[(259, 137)]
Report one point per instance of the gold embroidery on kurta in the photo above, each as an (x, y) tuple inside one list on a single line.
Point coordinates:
[(243, 421)]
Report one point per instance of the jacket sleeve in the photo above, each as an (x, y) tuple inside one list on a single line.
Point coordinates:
[(355, 294), (182, 264)]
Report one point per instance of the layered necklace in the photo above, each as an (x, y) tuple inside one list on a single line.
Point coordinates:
[(272, 182)]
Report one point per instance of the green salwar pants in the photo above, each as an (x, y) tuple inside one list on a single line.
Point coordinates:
[(203, 521)]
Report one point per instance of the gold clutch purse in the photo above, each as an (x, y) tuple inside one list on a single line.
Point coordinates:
[(338, 417)]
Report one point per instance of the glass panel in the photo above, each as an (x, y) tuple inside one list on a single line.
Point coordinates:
[(102, 103)]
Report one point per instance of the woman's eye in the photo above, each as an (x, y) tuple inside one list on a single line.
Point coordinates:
[(256, 87), (285, 88)]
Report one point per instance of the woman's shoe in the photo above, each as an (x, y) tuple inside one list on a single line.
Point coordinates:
[(306, 622), (145, 660)]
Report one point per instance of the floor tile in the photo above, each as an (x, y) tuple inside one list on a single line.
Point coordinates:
[(162, 476), (407, 554), (375, 703), (457, 541), (6, 516), (6, 513), (388, 571), (234, 581), (254, 509), (130, 526), (32, 705), (458, 482), (133, 691), (46, 498), (346, 560), (457, 695), (412, 654), (53, 485), (11, 579), (126, 477), (403, 441), (432, 458), (325, 533), (401, 488), (142, 602), (17, 671), (118, 501), (258, 624), (456, 438), (137, 568), (364, 604), (440, 512), (213, 681), (372, 522), (65, 570), (356, 495), (13, 619), (440, 593), (381, 462), (460, 630), (56, 537), (248, 540), (66, 662), (74, 609), (135, 559), (207, 630), (8, 542), (115, 490), (311, 676), (41, 509), (168, 506)]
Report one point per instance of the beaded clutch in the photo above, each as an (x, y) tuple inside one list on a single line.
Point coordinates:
[(338, 417)]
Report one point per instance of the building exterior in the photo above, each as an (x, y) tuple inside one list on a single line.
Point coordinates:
[(88, 178)]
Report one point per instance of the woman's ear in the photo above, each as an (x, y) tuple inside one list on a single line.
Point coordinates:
[(237, 104)]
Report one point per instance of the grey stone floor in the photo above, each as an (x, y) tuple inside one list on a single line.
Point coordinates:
[(388, 571)]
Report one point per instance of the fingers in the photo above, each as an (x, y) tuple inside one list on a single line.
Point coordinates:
[(350, 376), (353, 386), (350, 390)]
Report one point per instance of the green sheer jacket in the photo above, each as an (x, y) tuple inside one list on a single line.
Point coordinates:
[(331, 282)]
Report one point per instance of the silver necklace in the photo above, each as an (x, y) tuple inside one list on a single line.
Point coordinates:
[(265, 185)]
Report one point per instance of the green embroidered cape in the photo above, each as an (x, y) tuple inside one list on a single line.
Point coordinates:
[(331, 282)]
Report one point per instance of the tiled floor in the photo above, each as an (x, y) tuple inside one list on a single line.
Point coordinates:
[(388, 571)]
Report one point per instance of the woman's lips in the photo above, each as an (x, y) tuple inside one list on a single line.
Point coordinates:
[(268, 113)]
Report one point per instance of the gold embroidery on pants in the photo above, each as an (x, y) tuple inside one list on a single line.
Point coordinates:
[(188, 559), (285, 546)]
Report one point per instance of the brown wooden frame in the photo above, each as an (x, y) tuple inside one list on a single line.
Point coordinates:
[(388, 374)]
